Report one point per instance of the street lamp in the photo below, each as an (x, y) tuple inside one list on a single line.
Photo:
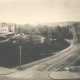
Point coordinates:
[(20, 55), (20, 51)]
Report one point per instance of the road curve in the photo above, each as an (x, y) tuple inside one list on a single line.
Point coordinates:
[(48, 60)]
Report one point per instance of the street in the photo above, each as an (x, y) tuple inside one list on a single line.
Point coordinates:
[(41, 70)]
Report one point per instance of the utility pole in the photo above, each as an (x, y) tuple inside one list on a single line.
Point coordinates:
[(20, 56)]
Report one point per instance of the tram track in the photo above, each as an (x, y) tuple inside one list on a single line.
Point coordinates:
[(65, 62), (56, 54), (56, 62)]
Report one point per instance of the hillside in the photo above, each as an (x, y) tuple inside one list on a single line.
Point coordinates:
[(54, 24)]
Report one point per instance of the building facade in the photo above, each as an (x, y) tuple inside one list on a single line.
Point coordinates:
[(5, 29)]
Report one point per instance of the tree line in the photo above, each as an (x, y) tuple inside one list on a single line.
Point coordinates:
[(54, 32)]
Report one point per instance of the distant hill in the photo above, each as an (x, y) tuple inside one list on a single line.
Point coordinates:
[(54, 24), (60, 23)]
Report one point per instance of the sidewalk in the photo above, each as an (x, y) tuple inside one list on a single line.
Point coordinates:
[(4, 71), (65, 75)]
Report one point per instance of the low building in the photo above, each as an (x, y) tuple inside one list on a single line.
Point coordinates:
[(72, 29), (5, 30)]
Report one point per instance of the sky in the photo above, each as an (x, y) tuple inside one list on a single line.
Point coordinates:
[(39, 11)]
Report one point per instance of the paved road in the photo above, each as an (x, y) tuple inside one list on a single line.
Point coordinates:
[(57, 54), (42, 69)]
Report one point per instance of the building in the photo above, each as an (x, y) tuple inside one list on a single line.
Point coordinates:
[(5, 29), (72, 29)]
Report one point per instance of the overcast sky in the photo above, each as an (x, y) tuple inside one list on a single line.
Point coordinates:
[(39, 11)]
